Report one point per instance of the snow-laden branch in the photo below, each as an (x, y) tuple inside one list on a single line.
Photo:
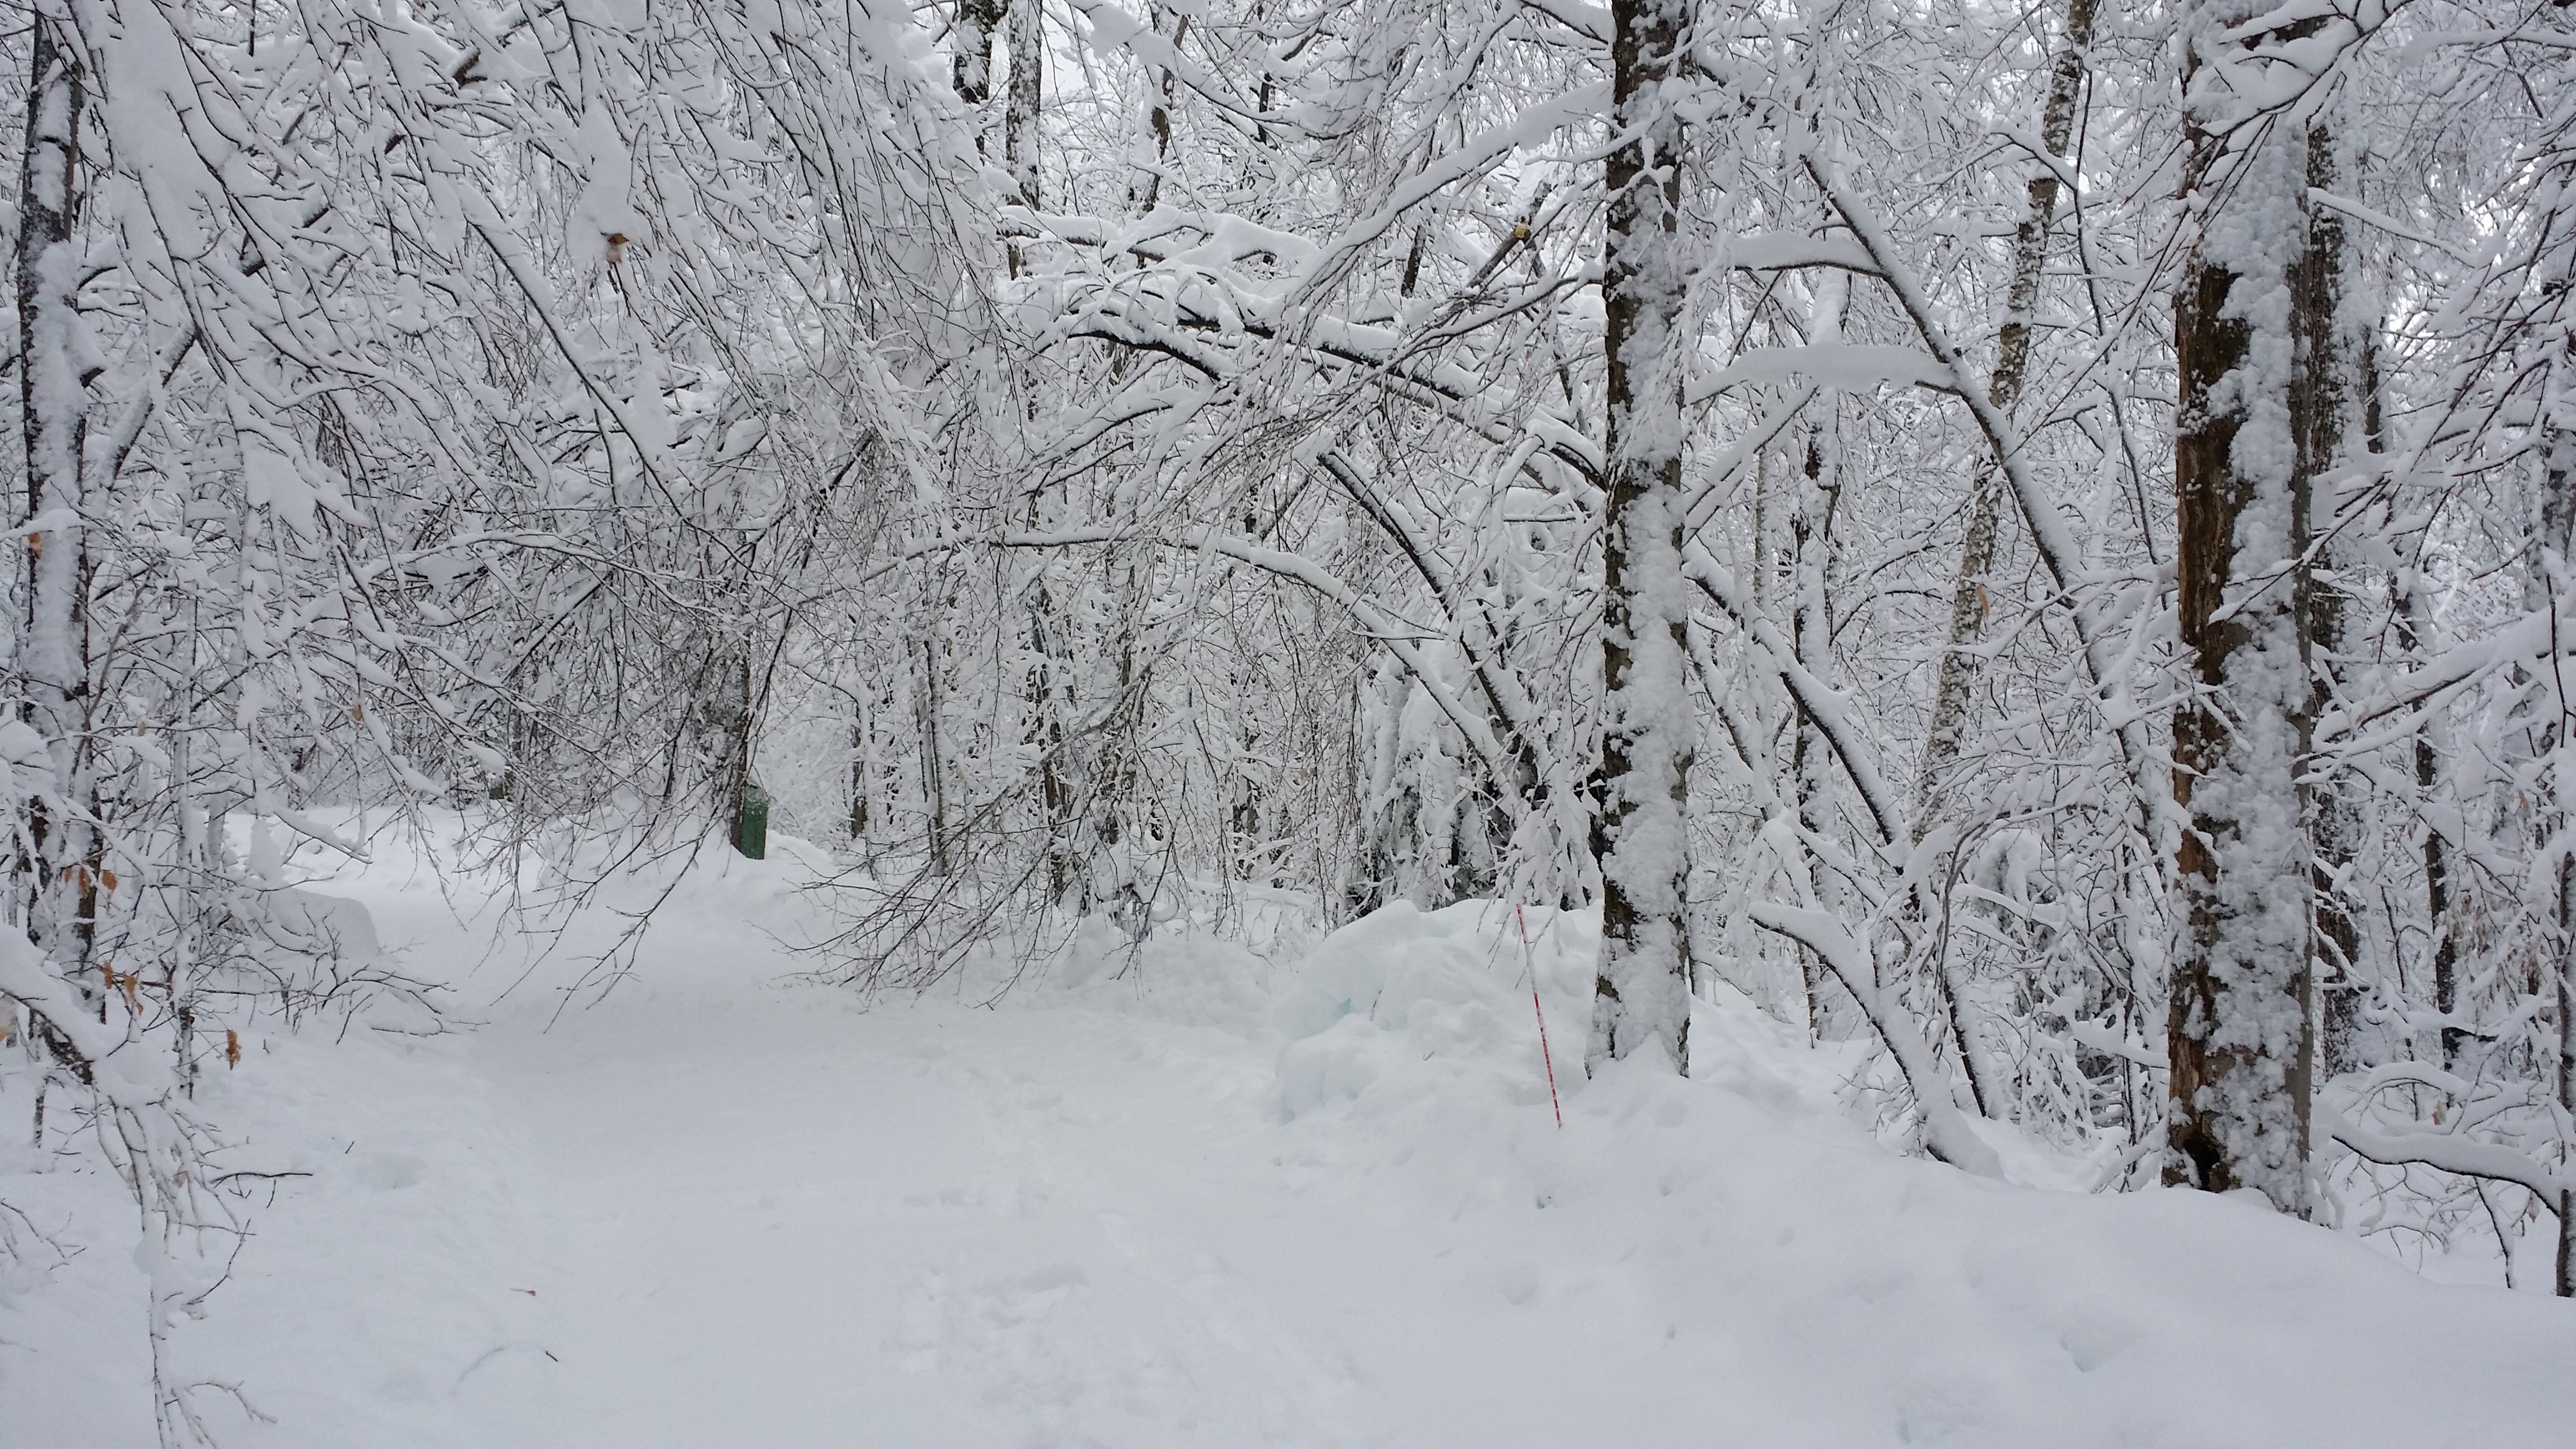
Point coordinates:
[(1846, 366), (2462, 1155), (1786, 251), (1820, 701), (1748, 445), (2516, 644), (1399, 636), (1502, 689), (126, 1071), (2058, 550), (1591, 22), (1203, 341), (1946, 1130)]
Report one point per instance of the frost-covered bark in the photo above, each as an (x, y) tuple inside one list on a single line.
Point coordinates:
[(971, 67), (2553, 581), (2326, 400), (1024, 108), (1642, 991), (2241, 1032), (53, 656)]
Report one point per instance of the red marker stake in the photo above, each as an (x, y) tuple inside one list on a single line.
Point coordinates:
[(1529, 963)]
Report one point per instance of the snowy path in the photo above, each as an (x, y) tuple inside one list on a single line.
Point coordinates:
[(1250, 1206), (906, 1227)]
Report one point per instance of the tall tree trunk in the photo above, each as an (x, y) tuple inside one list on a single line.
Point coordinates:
[(2241, 1032), (54, 655), (934, 765), (971, 68), (1954, 694), (2414, 637), (2325, 394), (1642, 988), (1158, 117), (1810, 760), (859, 784), (1056, 794), (2566, 1084), (1027, 41), (2555, 567)]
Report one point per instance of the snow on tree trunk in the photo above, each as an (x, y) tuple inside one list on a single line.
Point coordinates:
[(2556, 553), (972, 65), (53, 657), (2565, 1282), (1020, 112), (1642, 991), (2326, 394), (2241, 1033)]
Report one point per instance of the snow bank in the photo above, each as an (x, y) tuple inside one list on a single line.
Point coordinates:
[(1407, 1008)]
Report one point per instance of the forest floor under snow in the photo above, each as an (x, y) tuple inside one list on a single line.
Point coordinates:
[(1199, 1198)]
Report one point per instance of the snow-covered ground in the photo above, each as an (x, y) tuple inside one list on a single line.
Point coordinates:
[(1196, 1199)]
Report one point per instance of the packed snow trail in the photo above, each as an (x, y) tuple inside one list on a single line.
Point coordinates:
[(1213, 1201)]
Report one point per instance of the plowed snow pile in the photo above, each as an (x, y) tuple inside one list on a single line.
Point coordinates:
[(1195, 1197)]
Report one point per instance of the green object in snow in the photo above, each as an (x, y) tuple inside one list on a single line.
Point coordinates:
[(751, 824)]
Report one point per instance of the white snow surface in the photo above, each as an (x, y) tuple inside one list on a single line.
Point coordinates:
[(1194, 1197)]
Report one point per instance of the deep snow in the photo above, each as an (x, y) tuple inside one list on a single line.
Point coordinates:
[(1197, 1198)]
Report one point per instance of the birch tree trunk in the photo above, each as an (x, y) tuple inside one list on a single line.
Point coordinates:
[(2241, 1033), (1969, 598), (1642, 988), (54, 654)]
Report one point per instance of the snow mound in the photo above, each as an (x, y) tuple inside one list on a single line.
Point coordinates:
[(1402, 1007)]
